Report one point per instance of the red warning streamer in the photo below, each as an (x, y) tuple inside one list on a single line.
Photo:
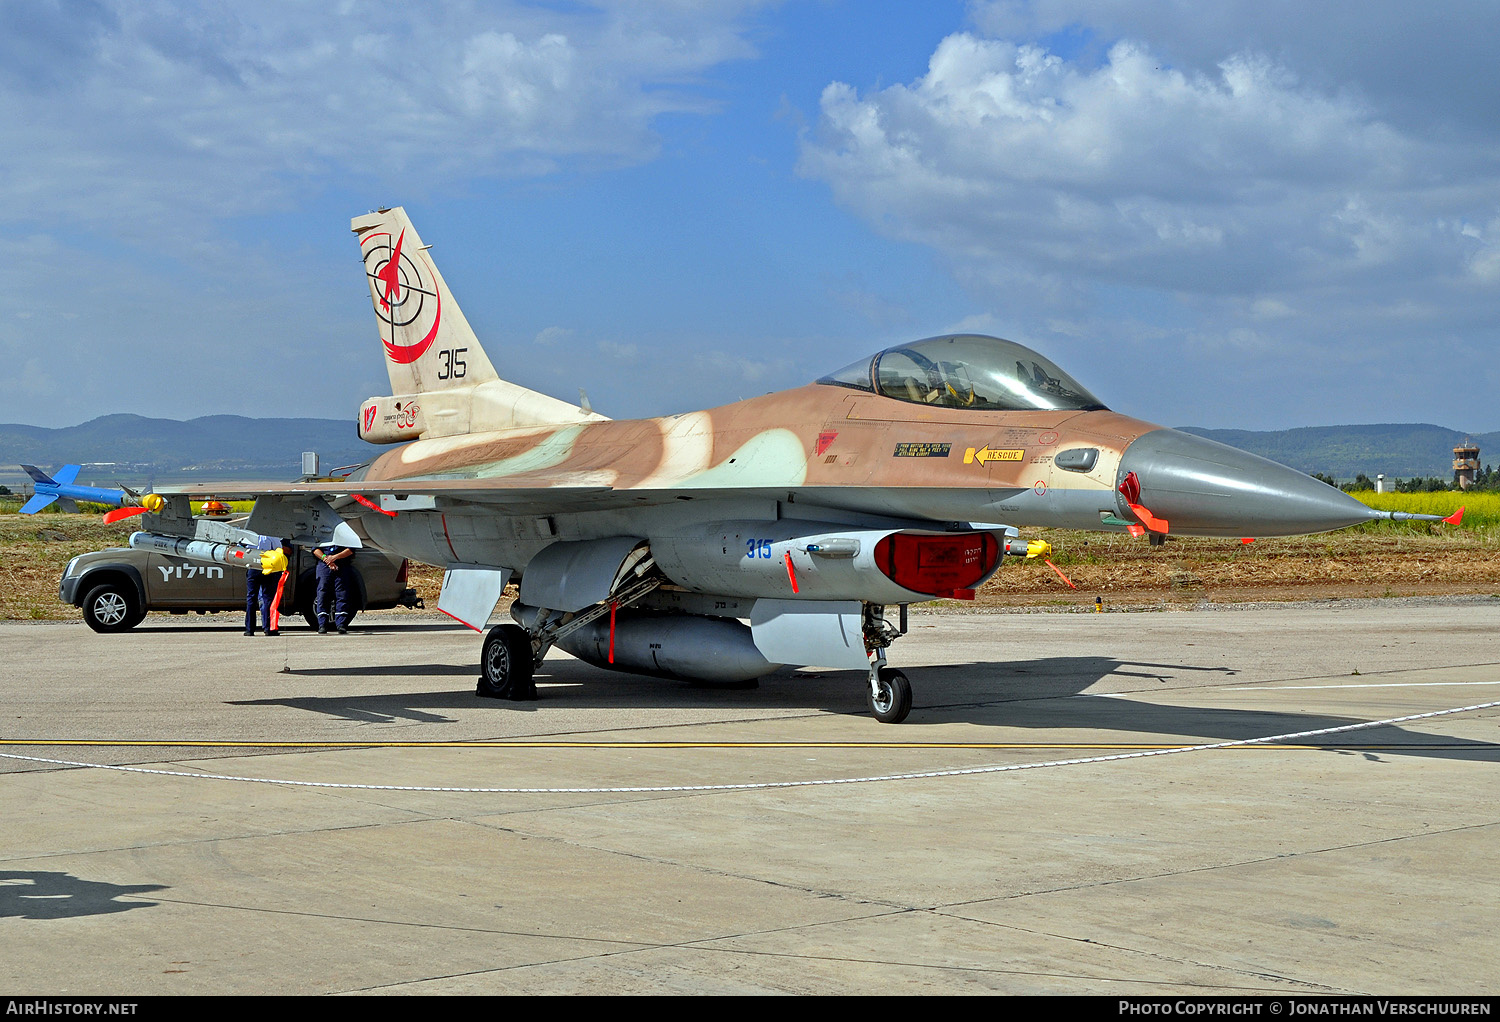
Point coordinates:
[(1059, 572), (790, 574), (276, 603), (367, 502)]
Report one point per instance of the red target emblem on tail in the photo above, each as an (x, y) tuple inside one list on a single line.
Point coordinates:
[(407, 301)]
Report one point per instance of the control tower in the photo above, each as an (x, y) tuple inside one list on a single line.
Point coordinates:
[(1465, 464)]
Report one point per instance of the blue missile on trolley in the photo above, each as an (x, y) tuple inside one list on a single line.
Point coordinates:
[(65, 491)]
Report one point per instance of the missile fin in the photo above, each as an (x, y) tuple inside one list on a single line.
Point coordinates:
[(38, 502)]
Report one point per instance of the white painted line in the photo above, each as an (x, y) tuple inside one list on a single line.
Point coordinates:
[(765, 785)]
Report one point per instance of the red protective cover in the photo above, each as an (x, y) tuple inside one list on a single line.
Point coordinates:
[(937, 565)]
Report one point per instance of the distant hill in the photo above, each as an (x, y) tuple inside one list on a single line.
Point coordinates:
[(136, 450), (133, 449), (1397, 449)]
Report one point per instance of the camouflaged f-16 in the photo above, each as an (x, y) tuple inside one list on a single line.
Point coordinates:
[(722, 544)]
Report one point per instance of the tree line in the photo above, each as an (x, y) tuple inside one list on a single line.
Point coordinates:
[(1487, 478)]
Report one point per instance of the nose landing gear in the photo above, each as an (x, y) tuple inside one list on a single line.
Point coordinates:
[(889, 697), (890, 693)]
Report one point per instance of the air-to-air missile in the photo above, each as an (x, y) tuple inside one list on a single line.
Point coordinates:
[(65, 491)]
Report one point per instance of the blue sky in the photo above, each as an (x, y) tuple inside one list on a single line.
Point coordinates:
[(1254, 215)]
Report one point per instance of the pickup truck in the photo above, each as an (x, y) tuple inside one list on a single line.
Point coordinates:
[(115, 588)]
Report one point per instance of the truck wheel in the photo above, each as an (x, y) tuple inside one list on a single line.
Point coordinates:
[(305, 607), (310, 614), (307, 602), (111, 608)]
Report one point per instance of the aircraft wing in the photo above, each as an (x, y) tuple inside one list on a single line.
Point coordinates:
[(521, 499), (541, 497)]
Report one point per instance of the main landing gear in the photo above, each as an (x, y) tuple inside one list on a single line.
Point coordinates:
[(512, 654), (507, 665)]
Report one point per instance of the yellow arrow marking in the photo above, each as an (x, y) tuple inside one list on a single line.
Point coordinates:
[(985, 455)]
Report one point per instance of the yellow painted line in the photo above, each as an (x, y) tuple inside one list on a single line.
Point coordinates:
[(491, 744)]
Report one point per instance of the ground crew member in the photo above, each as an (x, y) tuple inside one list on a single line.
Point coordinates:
[(252, 597), (334, 589), (264, 585)]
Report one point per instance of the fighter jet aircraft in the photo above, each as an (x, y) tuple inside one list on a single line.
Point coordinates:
[(720, 545)]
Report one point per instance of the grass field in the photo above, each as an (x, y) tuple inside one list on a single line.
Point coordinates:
[(1481, 510), (1374, 560)]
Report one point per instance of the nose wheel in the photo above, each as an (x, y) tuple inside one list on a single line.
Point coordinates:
[(890, 695)]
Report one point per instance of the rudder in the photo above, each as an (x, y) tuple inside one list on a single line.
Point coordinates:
[(442, 382), (428, 343)]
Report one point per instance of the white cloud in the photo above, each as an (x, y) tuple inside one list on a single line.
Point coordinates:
[(1428, 67), (1129, 172), (1165, 210), (145, 112), (614, 350)]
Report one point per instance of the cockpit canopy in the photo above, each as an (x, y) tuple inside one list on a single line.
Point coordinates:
[(967, 371)]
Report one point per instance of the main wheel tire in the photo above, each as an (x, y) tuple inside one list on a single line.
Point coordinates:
[(505, 669), (893, 701), (111, 608)]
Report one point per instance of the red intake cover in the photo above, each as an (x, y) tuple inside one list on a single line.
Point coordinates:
[(937, 565)]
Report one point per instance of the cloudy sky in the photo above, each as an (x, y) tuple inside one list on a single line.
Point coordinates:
[(1257, 214)]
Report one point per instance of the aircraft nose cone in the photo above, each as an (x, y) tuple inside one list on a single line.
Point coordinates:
[(1205, 488)]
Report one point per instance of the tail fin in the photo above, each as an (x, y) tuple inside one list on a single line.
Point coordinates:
[(38, 500), (442, 382), (429, 345), (46, 491), (38, 476), (65, 475)]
